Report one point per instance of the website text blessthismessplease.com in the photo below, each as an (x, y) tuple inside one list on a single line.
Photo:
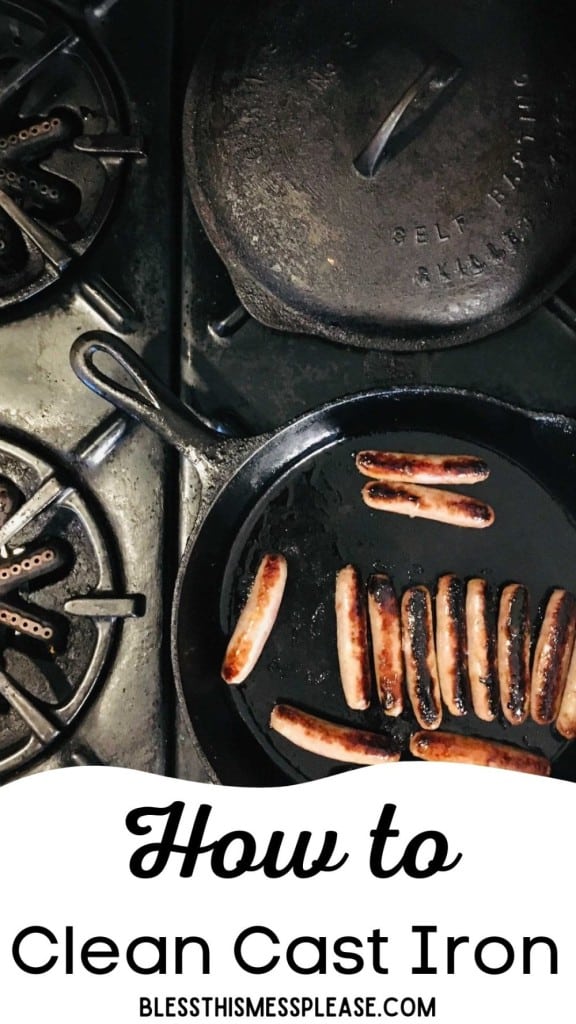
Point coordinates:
[(294, 1007)]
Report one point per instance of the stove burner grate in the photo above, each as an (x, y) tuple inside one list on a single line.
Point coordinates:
[(62, 596), (61, 148)]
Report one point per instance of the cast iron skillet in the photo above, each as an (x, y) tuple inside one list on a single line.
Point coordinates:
[(297, 491), (394, 175)]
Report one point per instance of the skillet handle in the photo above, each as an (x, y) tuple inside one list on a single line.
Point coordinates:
[(148, 400)]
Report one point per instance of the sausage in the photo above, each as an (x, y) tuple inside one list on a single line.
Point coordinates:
[(256, 619), (352, 638), (514, 652), (384, 615), (420, 657), (447, 746), (552, 657), (566, 721), (480, 626), (451, 644), (340, 742), (396, 467), (428, 503)]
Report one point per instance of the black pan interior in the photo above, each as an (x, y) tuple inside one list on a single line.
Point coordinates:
[(300, 494)]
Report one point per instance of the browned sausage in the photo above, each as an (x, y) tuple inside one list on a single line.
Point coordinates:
[(340, 742), (451, 644), (352, 638), (447, 746), (397, 467), (428, 503), (384, 615), (256, 619), (480, 638), (514, 652), (420, 657), (566, 721), (552, 657)]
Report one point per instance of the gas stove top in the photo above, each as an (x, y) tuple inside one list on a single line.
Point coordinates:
[(88, 238), (107, 239)]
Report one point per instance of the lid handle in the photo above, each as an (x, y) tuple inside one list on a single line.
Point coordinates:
[(421, 100)]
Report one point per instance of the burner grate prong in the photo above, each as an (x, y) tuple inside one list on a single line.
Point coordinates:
[(41, 727), (48, 493), (106, 606), (108, 304), (83, 757), (110, 145), (33, 61), (89, 453), (100, 443), (55, 252), (222, 329)]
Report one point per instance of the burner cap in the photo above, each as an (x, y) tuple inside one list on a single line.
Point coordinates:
[(397, 175)]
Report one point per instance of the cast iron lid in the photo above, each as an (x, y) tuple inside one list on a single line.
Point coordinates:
[(388, 173)]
